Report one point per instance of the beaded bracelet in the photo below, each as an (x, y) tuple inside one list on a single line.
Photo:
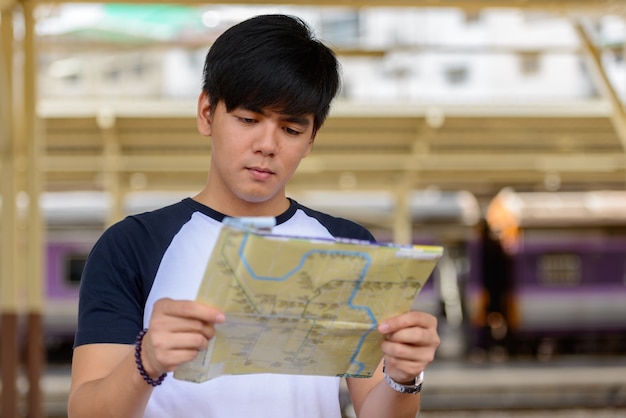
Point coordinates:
[(152, 382)]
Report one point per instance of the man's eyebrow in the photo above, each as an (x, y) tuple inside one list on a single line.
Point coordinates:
[(254, 109), (300, 120)]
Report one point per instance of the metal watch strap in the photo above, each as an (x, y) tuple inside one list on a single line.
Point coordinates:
[(413, 389)]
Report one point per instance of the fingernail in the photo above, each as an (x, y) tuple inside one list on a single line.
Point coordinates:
[(220, 318), (384, 327)]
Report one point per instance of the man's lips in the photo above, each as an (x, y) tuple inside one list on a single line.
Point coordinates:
[(260, 172)]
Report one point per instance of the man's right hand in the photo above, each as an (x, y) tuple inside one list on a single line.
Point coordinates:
[(178, 329)]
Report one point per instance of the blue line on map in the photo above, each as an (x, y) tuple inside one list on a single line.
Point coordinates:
[(367, 310)]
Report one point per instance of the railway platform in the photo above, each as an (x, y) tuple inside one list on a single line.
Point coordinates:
[(576, 387)]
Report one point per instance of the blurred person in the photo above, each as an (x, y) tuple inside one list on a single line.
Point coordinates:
[(267, 88), (496, 280)]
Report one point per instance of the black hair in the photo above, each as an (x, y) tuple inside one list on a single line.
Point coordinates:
[(272, 62)]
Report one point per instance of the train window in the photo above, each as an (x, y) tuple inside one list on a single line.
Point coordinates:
[(559, 269), (74, 264)]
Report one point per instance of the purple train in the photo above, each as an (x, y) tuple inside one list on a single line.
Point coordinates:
[(554, 271), (74, 221), (539, 270)]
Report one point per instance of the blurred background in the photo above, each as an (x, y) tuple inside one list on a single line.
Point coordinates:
[(495, 128)]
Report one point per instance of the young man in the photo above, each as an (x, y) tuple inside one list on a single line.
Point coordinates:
[(267, 90)]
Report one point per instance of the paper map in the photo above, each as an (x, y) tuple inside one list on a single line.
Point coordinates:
[(303, 306)]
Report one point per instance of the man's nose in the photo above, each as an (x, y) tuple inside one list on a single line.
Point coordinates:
[(267, 139)]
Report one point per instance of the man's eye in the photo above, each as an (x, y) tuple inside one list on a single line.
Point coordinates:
[(246, 120), (291, 131)]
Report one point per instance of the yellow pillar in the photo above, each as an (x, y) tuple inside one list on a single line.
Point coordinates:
[(107, 120), (35, 353), (403, 220), (8, 223)]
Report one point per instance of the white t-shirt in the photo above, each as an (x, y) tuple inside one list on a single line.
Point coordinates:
[(163, 253)]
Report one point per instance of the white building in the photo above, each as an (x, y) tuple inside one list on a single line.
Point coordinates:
[(412, 55)]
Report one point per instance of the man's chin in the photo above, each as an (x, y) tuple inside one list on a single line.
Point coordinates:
[(273, 204)]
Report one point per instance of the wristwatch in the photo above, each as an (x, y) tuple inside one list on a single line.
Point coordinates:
[(414, 389)]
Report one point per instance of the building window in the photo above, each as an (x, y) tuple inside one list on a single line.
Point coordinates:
[(456, 74), (529, 62)]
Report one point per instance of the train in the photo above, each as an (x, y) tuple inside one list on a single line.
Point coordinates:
[(554, 264), (74, 221), (531, 272)]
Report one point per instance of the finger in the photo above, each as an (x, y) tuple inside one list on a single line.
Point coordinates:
[(164, 340), (178, 332), (414, 336), (184, 316), (405, 361), (166, 350), (173, 358), (407, 352), (189, 309), (408, 320), (403, 370)]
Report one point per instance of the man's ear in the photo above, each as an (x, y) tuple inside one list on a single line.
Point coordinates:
[(204, 115)]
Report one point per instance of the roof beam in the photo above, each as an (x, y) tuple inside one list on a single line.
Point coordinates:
[(464, 4), (541, 162), (618, 115)]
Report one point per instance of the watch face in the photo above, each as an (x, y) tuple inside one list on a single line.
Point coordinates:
[(420, 378)]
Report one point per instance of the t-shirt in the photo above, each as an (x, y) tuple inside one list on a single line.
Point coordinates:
[(163, 253)]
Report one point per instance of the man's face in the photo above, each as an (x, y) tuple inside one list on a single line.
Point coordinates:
[(255, 152)]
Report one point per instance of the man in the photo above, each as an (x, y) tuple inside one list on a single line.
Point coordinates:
[(268, 85)]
